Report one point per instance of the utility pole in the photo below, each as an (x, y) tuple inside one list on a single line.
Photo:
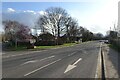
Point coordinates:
[(109, 35)]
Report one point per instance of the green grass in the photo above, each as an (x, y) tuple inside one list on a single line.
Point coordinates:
[(56, 46), (114, 47), (23, 48), (18, 48)]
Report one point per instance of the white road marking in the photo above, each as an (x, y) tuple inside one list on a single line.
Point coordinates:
[(47, 58), (77, 61), (18, 54), (23, 54), (71, 54), (29, 62), (70, 67), (13, 55), (84, 52), (33, 61), (41, 67)]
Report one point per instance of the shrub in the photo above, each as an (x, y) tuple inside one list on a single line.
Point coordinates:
[(116, 43), (23, 44), (44, 43)]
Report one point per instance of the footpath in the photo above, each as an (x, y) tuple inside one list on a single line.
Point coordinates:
[(111, 62)]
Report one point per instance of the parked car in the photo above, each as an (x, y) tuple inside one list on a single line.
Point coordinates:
[(106, 41)]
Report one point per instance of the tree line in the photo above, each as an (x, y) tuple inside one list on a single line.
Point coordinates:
[(56, 26)]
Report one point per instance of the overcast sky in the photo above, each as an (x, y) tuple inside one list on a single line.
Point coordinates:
[(95, 16)]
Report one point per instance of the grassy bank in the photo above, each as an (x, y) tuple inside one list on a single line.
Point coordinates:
[(56, 46), (20, 48)]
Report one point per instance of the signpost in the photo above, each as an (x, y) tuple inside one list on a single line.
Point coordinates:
[(32, 41)]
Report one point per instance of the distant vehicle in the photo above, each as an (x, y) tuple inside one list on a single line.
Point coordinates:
[(101, 40), (106, 41)]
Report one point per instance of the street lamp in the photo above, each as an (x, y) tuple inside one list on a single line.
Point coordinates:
[(14, 33)]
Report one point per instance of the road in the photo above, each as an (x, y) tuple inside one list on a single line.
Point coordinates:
[(78, 61)]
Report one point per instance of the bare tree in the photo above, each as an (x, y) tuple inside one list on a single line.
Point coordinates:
[(57, 21), (42, 23), (15, 31), (56, 15), (53, 21)]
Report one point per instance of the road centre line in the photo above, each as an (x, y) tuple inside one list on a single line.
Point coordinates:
[(41, 67), (71, 54), (21, 54), (32, 61), (84, 52)]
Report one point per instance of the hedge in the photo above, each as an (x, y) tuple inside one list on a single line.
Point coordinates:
[(115, 42)]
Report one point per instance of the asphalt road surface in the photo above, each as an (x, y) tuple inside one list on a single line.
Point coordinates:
[(78, 61)]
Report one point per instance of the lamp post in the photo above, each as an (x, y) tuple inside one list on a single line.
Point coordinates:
[(32, 41), (118, 36), (14, 33)]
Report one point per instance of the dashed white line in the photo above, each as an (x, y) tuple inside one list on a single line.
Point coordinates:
[(22, 54), (18, 54), (13, 55), (37, 60), (84, 52), (29, 62), (41, 67), (71, 54)]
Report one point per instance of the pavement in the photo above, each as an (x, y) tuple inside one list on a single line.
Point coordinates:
[(111, 62), (79, 61)]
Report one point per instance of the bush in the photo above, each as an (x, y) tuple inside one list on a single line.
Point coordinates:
[(24, 44), (30, 47), (44, 43), (59, 41), (116, 43)]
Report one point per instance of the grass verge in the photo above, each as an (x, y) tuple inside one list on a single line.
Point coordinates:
[(19, 48), (22, 48), (114, 47), (56, 46)]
